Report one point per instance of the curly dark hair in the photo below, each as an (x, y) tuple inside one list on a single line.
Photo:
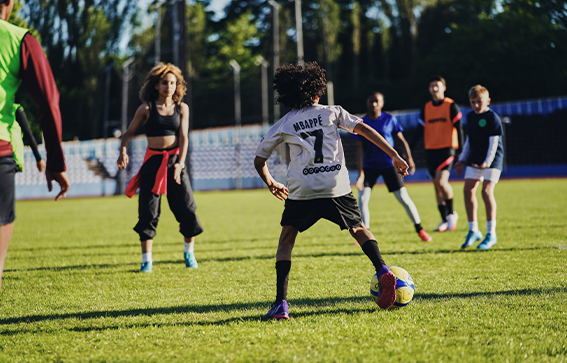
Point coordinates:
[(298, 84), (148, 93)]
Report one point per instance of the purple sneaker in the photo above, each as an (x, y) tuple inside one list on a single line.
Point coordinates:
[(387, 286), (279, 310)]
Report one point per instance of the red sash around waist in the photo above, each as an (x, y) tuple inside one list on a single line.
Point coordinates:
[(160, 186)]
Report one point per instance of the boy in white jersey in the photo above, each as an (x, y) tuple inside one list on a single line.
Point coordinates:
[(317, 178)]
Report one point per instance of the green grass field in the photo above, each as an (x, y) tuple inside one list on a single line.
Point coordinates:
[(71, 292)]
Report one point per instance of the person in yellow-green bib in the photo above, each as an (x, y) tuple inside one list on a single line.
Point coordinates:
[(22, 60)]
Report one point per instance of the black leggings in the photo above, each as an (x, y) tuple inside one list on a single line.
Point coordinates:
[(179, 197)]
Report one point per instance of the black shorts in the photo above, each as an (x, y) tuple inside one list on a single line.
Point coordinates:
[(391, 178), (8, 169), (439, 159), (302, 214)]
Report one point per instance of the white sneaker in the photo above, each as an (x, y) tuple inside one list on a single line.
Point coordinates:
[(442, 227), (452, 221)]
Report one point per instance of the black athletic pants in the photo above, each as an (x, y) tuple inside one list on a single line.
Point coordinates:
[(179, 197)]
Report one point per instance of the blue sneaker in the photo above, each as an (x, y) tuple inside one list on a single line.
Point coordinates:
[(146, 267), (190, 261), (471, 238), (488, 242), (278, 310)]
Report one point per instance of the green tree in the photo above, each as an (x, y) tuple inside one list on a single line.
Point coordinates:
[(80, 39)]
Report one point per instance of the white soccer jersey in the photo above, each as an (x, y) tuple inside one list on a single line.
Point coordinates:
[(317, 168)]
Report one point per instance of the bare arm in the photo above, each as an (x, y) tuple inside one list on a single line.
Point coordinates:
[(377, 139), (407, 152), (277, 189), (183, 142), (142, 114)]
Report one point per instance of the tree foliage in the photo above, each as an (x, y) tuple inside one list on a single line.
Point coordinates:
[(517, 48)]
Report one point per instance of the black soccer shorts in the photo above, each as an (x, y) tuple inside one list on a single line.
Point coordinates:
[(8, 169), (439, 159), (392, 179), (302, 214)]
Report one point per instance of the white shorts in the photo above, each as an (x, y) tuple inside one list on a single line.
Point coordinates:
[(489, 174)]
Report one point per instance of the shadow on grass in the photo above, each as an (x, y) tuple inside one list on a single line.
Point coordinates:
[(328, 306), (358, 252), (134, 243)]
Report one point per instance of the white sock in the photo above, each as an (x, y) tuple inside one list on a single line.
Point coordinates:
[(147, 257), (363, 200), (473, 226), (491, 227), (404, 198), (189, 246)]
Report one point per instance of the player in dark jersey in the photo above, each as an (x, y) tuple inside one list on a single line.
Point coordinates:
[(317, 177), (440, 125), (167, 129), (373, 163), (482, 159)]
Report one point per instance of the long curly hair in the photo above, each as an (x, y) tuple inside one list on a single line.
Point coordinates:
[(298, 84), (149, 93)]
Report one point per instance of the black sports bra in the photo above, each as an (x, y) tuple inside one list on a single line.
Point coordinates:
[(158, 125)]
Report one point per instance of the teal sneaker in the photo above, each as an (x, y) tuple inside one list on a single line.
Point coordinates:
[(146, 267), (190, 261), (488, 242), (471, 238)]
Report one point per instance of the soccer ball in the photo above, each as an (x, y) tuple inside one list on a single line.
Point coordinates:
[(404, 287)]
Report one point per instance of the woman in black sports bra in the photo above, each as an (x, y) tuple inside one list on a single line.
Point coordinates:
[(166, 119)]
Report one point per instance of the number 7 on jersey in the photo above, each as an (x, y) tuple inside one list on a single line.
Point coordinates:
[(318, 146)]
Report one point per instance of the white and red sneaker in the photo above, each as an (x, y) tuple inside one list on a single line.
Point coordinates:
[(442, 227), (452, 221)]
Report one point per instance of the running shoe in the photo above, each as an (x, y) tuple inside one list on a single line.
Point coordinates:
[(278, 310), (425, 237), (190, 261), (442, 227), (146, 267), (388, 287), (488, 242), (452, 221), (471, 238)]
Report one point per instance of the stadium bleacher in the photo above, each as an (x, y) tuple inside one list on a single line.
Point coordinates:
[(92, 169)]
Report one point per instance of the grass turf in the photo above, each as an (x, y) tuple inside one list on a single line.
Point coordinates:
[(71, 291)]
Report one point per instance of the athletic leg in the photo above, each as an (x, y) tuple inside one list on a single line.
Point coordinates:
[(363, 201), (8, 169), (149, 209), (5, 237), (471, 203), (469, 190), (446, 192), (182, 204), (489, 200), (279, 309), (387, 278)]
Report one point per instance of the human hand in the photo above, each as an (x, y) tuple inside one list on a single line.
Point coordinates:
[(61, 179), (40, 165), (177, 173), (278, 190), (481, 166), (123, 160), (360, 182), (401, 166), (459, 168), (411, 166)]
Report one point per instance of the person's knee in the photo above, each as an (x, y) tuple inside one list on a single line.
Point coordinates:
[(487, 193)]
